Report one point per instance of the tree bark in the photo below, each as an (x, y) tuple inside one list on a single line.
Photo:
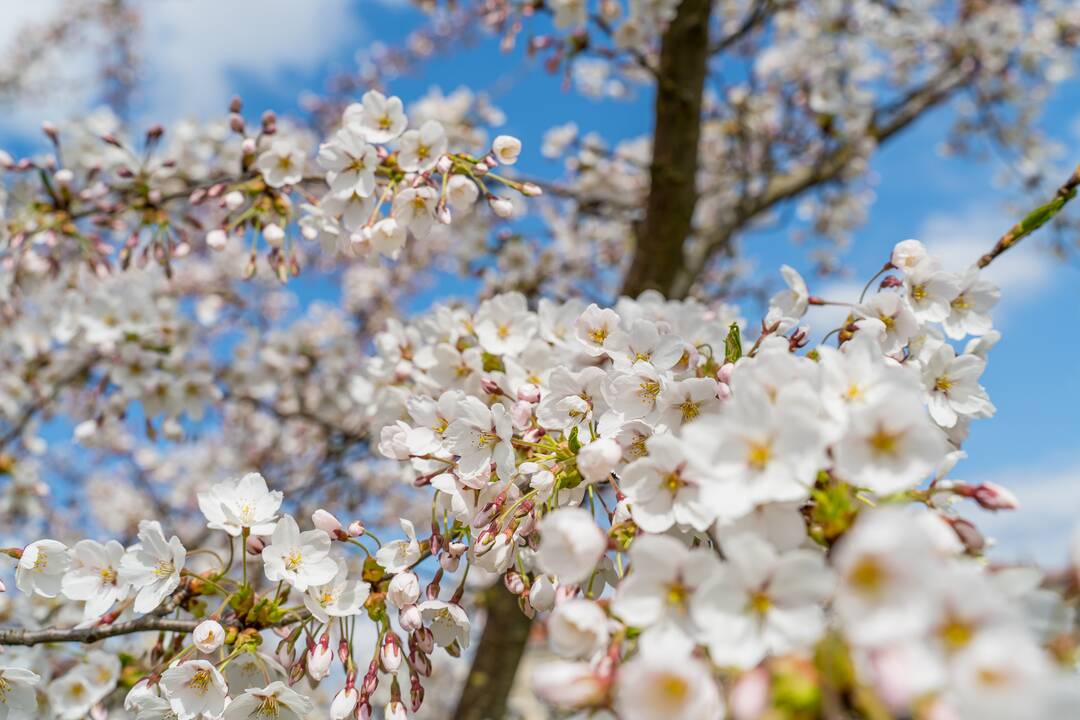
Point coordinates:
[(669, 211), (506, 632)]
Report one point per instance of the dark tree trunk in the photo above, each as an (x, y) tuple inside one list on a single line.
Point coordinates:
[(506, 633), (669, 211)]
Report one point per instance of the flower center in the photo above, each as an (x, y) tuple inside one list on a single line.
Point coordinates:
[(598, 335), (758, 455), (200, 681), (164, 568), (867, 576), (883, 442), (292, 562), (690, 410)]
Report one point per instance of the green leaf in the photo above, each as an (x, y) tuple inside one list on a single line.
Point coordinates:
[(733, 344), (575, 444)]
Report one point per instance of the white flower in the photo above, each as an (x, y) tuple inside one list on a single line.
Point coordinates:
[(889, 446), (788, 306), (447, 621), (664, 576), (907, 254), (760, 602), (571, 398), (193, 688), (930, 291), (72, 695), (971, 307), (683, 401), (319, 660), (578, 628), (952, 382), (633, 394), (94, 576), (664, 488), (542, 593), (340, 597), (480, 436), (378, 118), (152, 566), (504, 325), (506, 149), (1004, 675), (403, 590), (419, 150), (276, 701), (644, 343), (208, 636), (596, 329), (596, 460), (894, 311), (414, 208), (568, 685), (18, 698), (400, 555), (41, 568), (664, 682), (395, 710), (571, 544), (282, 164), (461, 192), (242, 503), (350, 162), (387, 236), (770, 452), (301, 559), (885, 564)]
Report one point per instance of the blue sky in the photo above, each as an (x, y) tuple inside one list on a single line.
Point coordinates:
[(198, 53)]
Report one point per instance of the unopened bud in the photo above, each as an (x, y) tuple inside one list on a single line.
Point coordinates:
[(531, 190), (326, 522), (255, 545), (216, 239), (248, 146), (424, 639), (236, 124), (356, 528), (50, 131), (513, 582), (529, 393), (274, 235), (501, 206), (390, 654), (491, 387), (410, 618)]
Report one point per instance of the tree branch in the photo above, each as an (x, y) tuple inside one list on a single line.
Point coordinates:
[(1034, 219), (887, 122)]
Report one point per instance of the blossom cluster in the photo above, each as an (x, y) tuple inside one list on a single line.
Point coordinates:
[(701, 522)]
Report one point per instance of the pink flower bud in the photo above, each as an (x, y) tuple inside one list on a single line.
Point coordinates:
[(424, 639), (533, 434), (234, 200), (274, 235), (248, 146), (995, 497), (356, 528), (513, 582), (410, 618), (390, 654), (527, 392), (444, 164), (501, 206), (326, 522), (725, 371), (750, 695), (344, 703), (521, 414), (320, 659), (255, 545), (449, 563), (531, 190), (491, 387)]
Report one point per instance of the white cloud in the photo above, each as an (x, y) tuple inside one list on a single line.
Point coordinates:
[(191, 52)]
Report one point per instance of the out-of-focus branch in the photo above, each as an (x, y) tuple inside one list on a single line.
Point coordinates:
[(888, 121), (684, 53)]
